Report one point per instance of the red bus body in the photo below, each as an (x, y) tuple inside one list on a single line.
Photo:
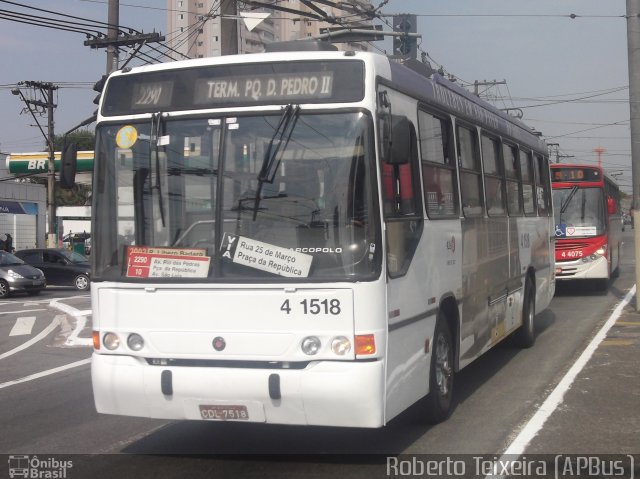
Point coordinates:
[(588, 223)]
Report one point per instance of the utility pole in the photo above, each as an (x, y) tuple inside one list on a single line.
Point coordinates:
[(114, 39), (40, 106), (633, 46), (599, 151), (554, 148), (229, 27), (477, 84), (112, 35)]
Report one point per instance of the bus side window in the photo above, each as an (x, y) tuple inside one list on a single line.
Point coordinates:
[(402, 206), (470, 173), (514, 200), (526, 173), (493, 176), (543, 190), (438, 168)]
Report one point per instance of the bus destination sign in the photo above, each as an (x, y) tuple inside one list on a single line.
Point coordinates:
[(276, 87), (234, 85), (571, 174)]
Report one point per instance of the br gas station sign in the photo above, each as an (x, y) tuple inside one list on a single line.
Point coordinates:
[(35, 163)]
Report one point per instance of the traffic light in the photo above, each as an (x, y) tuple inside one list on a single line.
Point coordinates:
[(99, 86), (405, 45)]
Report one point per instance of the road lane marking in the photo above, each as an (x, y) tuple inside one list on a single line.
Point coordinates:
[(22, 311), (534, 426), (618, 342), (43, 334), (81, 321), (23, 326), (48, 372)]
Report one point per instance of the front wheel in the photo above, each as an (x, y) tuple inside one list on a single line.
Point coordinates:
[(440, 397), (81, 282)]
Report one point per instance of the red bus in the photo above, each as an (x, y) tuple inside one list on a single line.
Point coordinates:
[(588, 226)]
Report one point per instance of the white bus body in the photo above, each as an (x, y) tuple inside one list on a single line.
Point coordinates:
[(346, 318)]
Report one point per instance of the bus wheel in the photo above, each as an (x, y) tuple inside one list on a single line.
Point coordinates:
[(440, 397), (525, 336)]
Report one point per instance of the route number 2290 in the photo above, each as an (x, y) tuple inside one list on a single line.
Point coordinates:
[(313, 307)]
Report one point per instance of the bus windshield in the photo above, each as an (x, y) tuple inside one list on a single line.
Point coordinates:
[(283, 196), (580, 210)]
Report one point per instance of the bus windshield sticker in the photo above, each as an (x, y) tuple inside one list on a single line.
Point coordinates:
[(126, 137), (582, 231), (149, 262), (266, 257)]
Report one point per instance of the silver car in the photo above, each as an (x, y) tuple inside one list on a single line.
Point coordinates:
[(16, 275)]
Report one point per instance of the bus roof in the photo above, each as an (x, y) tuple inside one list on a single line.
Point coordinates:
[(434, 90)]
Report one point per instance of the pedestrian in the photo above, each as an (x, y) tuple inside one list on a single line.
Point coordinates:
[(631, 215), (8, 243)]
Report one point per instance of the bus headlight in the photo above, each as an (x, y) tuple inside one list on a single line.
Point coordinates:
[(310, 345), (111, 341), (135, 342), (602, 250), (340, 345)]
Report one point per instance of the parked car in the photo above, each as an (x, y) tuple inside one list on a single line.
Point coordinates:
[(16, 275), (60, 266)]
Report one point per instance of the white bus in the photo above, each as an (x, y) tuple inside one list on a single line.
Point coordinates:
[(312, 238)]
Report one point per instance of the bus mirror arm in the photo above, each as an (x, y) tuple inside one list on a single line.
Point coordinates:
[(69, 157), (68, 164)]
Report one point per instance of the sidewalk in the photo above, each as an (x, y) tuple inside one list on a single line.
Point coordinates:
[(600, 413)]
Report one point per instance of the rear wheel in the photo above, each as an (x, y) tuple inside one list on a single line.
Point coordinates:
[(441, 375), (4, 289), (525, 335)]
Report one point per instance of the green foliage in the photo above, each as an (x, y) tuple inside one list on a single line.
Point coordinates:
[(79, 195), (85, 139)]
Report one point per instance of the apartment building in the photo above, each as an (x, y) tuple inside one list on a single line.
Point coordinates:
[(194, 27)]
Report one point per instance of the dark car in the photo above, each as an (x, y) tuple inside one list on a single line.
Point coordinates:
[(60, 266), (16, 275)]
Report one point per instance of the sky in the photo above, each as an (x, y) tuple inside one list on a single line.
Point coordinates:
[(556, 67)]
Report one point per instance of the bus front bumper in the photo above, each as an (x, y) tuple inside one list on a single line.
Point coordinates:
[(325, 393), (578, 269)]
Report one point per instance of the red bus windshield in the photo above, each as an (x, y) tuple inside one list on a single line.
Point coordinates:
[(579, 212)]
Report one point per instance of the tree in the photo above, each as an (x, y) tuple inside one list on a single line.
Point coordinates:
[(85, 139)]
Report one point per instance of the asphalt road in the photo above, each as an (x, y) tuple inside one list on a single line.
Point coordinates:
[(46, 403)]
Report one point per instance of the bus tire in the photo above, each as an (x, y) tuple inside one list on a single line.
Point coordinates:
[(525, 335), (441, 375)]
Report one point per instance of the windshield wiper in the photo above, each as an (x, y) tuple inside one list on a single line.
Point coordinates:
[(566, 202), (277, 144), (156, 125)]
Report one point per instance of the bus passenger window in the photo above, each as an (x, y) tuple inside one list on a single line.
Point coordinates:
[(493, 176), (470, 175), (526, 174), (438, 168), (514, 201)]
